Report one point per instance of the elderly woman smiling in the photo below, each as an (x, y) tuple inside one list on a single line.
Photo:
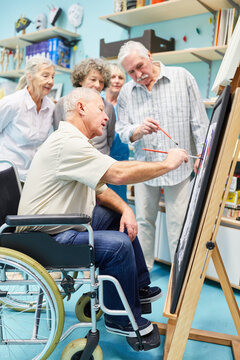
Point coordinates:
[(26, 116), (94, 74)]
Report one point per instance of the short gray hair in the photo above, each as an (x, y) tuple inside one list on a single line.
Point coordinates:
[(73, 97), (129, 47), (32, 66), (116, 69)]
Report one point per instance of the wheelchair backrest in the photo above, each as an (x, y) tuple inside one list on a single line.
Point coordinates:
[(10, 190)]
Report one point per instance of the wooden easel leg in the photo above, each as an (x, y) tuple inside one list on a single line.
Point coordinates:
[(236, 349), (227, 289), (168, 331)]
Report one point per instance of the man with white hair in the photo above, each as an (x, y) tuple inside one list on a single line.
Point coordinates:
[(160, 97), (68, 175)]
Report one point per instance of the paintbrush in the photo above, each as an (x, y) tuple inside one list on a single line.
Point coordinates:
[(165, 152), (167, 135)]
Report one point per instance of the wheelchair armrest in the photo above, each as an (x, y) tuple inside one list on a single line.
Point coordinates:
[(30, 220)]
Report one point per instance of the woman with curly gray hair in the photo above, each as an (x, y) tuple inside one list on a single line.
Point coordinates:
[(88, 66), (94, 74)]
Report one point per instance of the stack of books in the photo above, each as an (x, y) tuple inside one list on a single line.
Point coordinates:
[(232, 205), (224, 26), (54, 49)]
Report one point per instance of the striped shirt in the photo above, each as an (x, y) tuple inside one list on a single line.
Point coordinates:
[(175, 102)]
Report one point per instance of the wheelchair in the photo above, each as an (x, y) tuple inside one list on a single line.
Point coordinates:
[(31, 301)]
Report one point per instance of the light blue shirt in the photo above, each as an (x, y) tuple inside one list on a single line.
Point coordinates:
[(175, 102)]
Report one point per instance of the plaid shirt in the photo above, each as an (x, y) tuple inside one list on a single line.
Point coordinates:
[(175, 102)]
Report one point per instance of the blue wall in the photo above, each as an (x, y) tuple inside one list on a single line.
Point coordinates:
[(93, 29)]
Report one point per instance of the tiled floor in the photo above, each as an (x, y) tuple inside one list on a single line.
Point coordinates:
[(212, 314)]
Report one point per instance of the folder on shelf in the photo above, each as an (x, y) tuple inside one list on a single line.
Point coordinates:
[(222, 27), (231, 21), (217, 27)]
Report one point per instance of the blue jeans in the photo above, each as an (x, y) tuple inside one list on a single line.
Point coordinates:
[(115, 255)]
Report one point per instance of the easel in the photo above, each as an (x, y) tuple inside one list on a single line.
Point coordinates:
[(178, 330)]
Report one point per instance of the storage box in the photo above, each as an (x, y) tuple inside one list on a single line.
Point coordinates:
[(152, 42), (235, 183), (233, 199)]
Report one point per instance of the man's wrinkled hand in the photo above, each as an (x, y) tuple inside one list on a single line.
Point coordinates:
[(149, 126), (129, 222)]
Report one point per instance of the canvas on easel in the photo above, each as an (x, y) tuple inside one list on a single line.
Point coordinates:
[(199, 192), (178, 329), (197, 243)]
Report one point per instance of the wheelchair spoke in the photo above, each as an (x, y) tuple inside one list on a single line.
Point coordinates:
[(29, 311)]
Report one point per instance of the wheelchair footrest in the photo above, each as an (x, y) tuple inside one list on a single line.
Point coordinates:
[(149, 341), (146, 308)]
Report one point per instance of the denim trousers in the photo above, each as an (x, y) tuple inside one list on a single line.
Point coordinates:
[(117, 256)]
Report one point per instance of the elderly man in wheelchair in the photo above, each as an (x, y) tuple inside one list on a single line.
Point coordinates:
[(68, 176)]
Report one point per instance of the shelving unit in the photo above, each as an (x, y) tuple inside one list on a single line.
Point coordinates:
[(34, 37), (209, 104), (168, 10), (14, 74), (211, 53), (41, 35)]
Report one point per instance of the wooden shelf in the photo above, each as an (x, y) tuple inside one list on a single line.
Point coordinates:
[(225, 221), (187, 55), (168, 10), (209, 104), (14, 74), (11, 74), (61, 69), (41, 35)]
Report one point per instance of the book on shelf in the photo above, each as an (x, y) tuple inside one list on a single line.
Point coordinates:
[(231, 212), (217, 27), (232, 204), (61, 53), (231, 23), (224, 26), (233, 199), (54, 49), (235, 183)]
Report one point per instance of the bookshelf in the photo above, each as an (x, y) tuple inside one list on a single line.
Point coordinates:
[(14, 74), (24, 40), (189, 55), (168, 10), (41, 35), (211, 53)]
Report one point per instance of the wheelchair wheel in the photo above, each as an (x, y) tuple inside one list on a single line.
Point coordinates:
[(34, 331), (74, 350), (83, 309), (17, 303)]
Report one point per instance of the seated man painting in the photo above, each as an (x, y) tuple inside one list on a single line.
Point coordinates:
[(68, 176)]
